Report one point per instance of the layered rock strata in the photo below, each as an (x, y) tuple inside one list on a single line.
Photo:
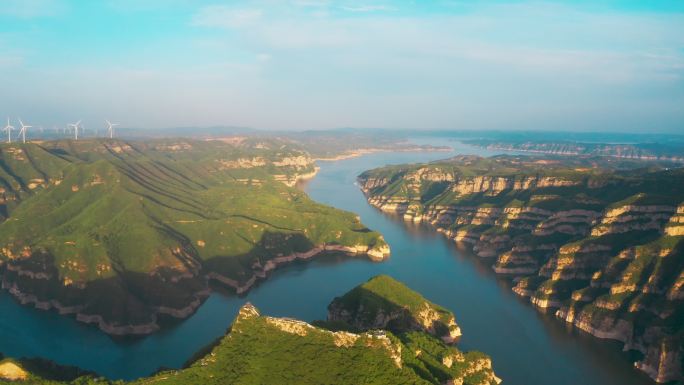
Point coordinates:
[(601, 247)]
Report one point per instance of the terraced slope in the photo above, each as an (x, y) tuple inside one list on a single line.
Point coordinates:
[(119, 232), (265, 350), (600, 245)]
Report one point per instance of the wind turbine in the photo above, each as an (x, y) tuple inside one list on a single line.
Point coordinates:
[(75, 126), (9, 129), (110, 128), (22, 131)]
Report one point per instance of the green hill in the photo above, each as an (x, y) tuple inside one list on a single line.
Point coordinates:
[(385, 303), (118, 232)]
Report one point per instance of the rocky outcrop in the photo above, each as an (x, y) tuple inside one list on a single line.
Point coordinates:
[(663, 360), (482, 366), (10, 371)]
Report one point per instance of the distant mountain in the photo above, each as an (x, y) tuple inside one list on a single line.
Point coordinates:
[(672, 152)]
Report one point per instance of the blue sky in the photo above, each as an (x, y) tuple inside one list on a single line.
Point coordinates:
[(302, 64)]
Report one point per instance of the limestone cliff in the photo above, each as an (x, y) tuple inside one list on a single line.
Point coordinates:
[(602, 246)]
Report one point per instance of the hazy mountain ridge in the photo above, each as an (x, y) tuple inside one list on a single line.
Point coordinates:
[(673, 152)]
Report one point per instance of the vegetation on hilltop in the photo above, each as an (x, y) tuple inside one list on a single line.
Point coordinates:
[(383, 302), (119, 231)]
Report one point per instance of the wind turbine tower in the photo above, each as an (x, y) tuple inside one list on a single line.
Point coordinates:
[(75, 126), (110, 128), (8, 128), (23, 130)]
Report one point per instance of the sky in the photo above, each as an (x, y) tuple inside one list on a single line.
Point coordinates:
[(600, 65)]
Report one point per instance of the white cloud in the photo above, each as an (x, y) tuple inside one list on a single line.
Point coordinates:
[(27, 9), (312, 3), (367, 8), (263, 57), (223, 16), (547, 40)]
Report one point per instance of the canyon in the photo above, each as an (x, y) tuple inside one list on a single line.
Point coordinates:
[(601, 247)]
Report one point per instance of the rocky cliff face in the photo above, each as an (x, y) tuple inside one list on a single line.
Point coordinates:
[(602, 247)]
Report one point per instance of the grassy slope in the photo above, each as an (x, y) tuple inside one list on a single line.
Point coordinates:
[(110, 213), (387, 295)]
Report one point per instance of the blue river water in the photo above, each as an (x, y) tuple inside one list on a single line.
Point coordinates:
[(527, 347)]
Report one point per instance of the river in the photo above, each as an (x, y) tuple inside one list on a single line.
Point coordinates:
[(527, 347)]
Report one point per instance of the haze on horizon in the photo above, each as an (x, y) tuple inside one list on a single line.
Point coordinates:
[(605, 65)]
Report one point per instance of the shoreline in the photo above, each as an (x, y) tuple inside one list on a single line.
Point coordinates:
[(375, 254), (371, 150)]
